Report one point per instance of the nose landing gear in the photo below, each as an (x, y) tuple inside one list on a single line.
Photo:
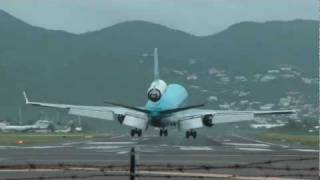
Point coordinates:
[(163, 132), (192, 133), (136, 131)]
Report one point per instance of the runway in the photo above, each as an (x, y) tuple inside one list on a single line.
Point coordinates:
[(228, 156)]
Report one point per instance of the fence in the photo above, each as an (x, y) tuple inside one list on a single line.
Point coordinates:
[(134, 170)]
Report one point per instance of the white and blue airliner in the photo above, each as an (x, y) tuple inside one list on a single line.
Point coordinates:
[(165, 108)]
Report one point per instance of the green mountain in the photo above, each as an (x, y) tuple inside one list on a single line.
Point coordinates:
[(115, 63)]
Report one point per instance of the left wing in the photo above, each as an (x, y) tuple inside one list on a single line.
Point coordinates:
[(126, 116), (196, 118)]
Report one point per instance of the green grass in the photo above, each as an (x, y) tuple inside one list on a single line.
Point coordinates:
[(33, 138), (310, 140)]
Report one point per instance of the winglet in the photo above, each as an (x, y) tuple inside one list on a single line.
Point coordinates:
[(25, 97)]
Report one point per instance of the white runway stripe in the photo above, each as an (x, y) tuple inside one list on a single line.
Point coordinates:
[(305, 150), (110, 143), (247, 144), (253, 149), (195, 148), (31, 147), (102, 147)]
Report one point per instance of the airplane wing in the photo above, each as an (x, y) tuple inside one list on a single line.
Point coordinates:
[(197, 118), (126, 116)]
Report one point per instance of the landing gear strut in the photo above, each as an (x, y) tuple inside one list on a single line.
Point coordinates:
[(136, 131), (163, 132), (192, 133)]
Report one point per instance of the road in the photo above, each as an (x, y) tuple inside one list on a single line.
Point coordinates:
[(218, 157)]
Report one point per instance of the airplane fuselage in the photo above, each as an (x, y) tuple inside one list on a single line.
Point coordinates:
[(174, 97)]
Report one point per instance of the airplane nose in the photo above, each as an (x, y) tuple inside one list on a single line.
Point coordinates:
[(154, 95)]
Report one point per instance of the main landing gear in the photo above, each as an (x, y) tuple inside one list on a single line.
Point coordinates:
[(137, 132), (192, 133), (163, 132)]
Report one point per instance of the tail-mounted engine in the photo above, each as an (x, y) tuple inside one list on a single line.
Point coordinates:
[(208, 120), (156, 90)]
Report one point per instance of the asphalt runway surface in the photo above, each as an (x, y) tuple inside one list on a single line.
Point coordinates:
[(219, 157)]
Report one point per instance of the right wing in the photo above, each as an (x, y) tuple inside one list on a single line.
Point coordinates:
[(124, 115), (197, 118)]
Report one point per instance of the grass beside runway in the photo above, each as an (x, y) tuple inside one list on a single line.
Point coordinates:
[(34, 138), (309, 140)]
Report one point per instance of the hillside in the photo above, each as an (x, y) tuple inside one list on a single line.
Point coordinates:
[(248, 65)]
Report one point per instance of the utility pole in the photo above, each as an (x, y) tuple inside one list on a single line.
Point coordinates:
[(132, 164)]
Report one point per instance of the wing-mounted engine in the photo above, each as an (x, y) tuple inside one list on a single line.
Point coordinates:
[(156, 90), (207, 120), (132, 120), (196, 121)]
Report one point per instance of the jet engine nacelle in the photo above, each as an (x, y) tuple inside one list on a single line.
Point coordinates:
[(208, 120), (156, 90)]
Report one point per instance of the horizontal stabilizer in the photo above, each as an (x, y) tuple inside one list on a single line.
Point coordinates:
[(169, 111), (127, 106)]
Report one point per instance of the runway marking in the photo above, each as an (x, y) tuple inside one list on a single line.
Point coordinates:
[(71, 143), (122, 152), (117, 137), (8, 147), (254, 149), (164, 145), (246, 144), (107, 143), (258, 141), (44, 147), (31, 147), (195, 148), (305, 150), (101, 147)]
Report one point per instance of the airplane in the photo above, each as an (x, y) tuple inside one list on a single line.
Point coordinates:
[(165, 108), (39, 126)]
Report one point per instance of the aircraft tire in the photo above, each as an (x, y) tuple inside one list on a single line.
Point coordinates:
[(194, 134), (187, 134), (165, 132)]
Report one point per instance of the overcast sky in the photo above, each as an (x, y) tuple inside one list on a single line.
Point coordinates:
[(199, 17)]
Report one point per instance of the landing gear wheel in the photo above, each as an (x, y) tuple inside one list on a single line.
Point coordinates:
[(136, 131), (139, 132), (194, 134), (191, 133), (187, 134), (165, 132)]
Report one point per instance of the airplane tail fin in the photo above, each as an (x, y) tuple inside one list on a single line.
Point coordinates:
[(156, 65)]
